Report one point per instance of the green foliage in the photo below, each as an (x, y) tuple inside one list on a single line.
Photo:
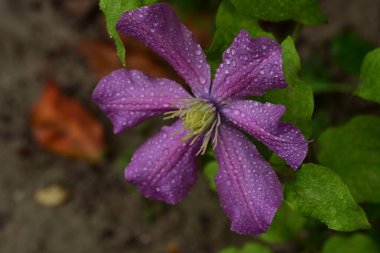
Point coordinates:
[(194, 5), (303, 11), (210, 171), (317, 192), (286, 225), (353, 152), (320, 85), (125, 159), (358, 243), (113, 10), (369, 84), (316, 73), (228, 24), (348, 50), (248, 248), (298, 96)]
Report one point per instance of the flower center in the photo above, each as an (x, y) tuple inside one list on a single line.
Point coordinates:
[(198, 116)]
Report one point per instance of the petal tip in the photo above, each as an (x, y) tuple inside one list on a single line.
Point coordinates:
[(250, 229), (297, 160), (117, 129)]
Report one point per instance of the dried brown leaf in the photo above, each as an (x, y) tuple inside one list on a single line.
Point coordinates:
[(100, 57), (61, 125)]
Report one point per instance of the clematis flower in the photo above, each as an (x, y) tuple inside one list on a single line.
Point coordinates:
[(164, 168)]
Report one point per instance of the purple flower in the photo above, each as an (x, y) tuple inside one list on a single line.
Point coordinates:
[(164, 168)]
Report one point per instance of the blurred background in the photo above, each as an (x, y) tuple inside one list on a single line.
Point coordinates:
[(61, 168)]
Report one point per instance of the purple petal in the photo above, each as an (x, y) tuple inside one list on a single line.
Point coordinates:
[(250, 67), (159, 28), (129, 97), (249, 190), (164, 168), (262, 122)]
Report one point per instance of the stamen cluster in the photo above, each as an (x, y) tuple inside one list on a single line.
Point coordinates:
[(198, 116)]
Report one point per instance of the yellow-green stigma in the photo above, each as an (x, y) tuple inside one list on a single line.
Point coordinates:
[(198, 116)]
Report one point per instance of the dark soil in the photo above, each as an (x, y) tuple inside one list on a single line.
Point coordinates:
[(104, 213)]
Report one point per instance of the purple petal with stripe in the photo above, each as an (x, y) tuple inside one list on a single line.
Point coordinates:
[(129, 97), (249, 68), (262, 121), (164, 168), (159, 28), (249, 190)]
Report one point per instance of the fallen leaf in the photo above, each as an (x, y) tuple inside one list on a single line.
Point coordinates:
[(173, 247), (201, 25), (61, 125), (147, 65), (51, 196), (79, 8), (143, 58), (100, 57)]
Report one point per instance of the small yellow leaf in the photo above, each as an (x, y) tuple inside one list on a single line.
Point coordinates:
[(51, 196)]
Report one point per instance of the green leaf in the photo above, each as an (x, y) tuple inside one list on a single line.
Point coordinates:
[(304, 11), (255, 248), (248, 248), (113, 9), (298, 96), (349, 50), (229, 250), (369, 84), (210, 171), (320, 85), (317, 192), (358, 243), (228, 24), (353, 152), (286, 225), (316, 72)]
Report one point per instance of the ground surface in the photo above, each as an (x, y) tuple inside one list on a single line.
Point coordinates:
[(104, 213)]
